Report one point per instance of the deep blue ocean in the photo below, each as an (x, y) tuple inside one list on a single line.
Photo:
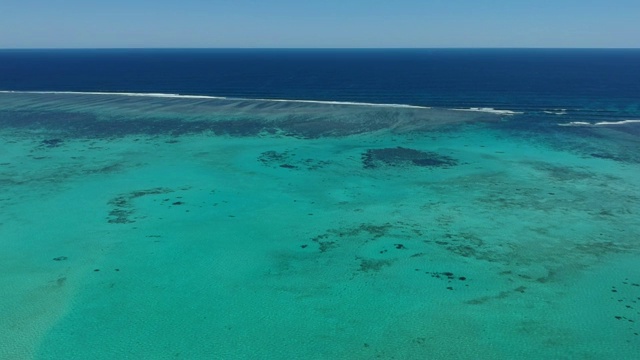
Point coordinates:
[(598, 84)]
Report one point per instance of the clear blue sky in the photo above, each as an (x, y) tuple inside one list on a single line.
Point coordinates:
[(314, 23)]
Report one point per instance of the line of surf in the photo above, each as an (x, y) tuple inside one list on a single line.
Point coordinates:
[(207, 97), (556, 112), (601, 123), (490, 111)]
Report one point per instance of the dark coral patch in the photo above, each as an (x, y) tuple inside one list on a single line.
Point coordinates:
[(373, 265), (123, 211), (52, 142), (402, 157)]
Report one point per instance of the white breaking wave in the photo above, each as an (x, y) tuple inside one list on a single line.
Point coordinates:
[(180, 96), (601, 123), (556, 112), (339, 103), (162, 95), (576, 123), (490, 110)]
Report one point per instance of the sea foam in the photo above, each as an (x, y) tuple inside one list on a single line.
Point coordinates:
[(180, 96), (556, 112), (490, 110), (601, 123)]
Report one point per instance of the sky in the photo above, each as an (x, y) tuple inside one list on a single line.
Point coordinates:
[(318, 24)]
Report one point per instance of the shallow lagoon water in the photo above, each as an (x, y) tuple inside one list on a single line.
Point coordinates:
[(154, 227)]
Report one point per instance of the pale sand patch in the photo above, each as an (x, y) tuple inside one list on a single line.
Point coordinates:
[(29, 311)]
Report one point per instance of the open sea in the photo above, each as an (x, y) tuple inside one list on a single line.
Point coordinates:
[(320, 204)]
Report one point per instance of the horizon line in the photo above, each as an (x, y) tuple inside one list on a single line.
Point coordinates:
[(322, 48)]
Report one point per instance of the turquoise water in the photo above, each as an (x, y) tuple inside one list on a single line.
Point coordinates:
[(157, 227)]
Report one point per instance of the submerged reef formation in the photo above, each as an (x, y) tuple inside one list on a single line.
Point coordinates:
[(288, 160), (123, 210), (626, 297), (52, 143), (104, 116), (399, 156)]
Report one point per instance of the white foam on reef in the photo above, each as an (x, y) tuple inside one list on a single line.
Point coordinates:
[(162, 95), (601, 123), (576, 123), (556, 112), (604, 123), (180, 96), (490, 110), (339, 103)]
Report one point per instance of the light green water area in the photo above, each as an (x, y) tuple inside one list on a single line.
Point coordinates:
[(176, 228)]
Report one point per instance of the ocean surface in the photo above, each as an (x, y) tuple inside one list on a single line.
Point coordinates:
[(320, 204)]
